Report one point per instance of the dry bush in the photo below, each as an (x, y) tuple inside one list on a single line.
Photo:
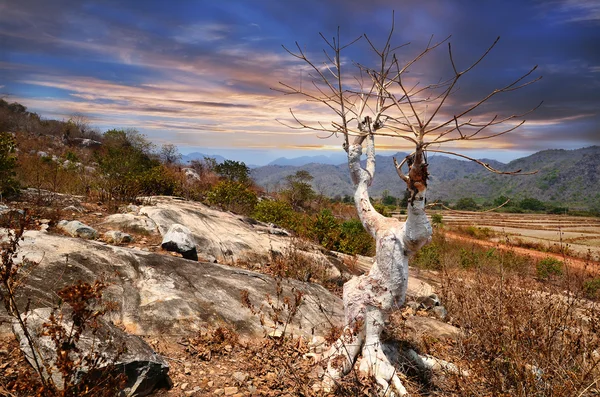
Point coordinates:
[(442, 253), (83, 373), (520, 339), (482, 233), (213, 341)]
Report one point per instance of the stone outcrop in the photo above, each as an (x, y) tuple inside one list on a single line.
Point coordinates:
[(142, 366), (159, 294), (179, 239)]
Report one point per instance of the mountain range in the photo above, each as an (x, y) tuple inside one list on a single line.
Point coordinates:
[(563, 178)]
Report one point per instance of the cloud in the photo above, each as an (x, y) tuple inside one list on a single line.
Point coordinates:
[(208, 76)]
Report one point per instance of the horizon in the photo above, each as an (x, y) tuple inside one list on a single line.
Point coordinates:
[(200, 74)]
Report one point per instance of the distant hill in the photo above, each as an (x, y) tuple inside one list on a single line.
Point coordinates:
[(565, 178), (200, 156), (334, 159)]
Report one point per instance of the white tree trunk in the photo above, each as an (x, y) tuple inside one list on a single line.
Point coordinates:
[(368, 299)]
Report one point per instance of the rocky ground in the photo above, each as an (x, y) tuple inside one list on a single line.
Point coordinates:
[(191, 312)]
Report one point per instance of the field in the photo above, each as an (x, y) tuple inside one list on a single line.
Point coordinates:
[(579, 235)]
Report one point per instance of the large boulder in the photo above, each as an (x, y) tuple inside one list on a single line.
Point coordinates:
[(142, 366), (131, 223), (161, 294), (179, 239), (222, 235)]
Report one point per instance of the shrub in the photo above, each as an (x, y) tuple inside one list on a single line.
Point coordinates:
[(354, 239), (549, 267), (437, 220), (592, 288), (428, 257), (232, 196), (382, 209), (532, 204), (476, 232), (325, 229), (466, 204), (8, 162), (277, 212)]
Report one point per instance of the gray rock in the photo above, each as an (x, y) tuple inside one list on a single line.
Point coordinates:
[(162, 294), (440, 312), (117, 237), (131, 223), (428, 302), (78, 229), (179, 239), (73, 208), (191, 174), (85, 142), (142, 366), (417, 327)]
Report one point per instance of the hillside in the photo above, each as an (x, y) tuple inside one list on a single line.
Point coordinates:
[(564, 178)]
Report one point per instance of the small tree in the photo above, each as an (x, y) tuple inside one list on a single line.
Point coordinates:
[(382, 101), (169, 154), (299, 192), (236, 171), (466, 204)]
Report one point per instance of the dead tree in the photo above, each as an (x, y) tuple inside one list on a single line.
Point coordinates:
[(382, 101)]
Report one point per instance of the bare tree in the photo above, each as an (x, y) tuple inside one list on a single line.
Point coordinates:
[(384, 101)]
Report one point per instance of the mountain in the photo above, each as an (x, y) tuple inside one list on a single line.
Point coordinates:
[(564, 178), (334, 159), (186, 158)]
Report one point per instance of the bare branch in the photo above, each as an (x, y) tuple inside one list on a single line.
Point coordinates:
[(484, 165)]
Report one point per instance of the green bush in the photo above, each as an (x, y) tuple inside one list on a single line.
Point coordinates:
[(354, 239), (592, 288), (437, 220), (428, 257), (466, 204), (233, 196), (325, 229), (549, 267), (8, 162), (277, 212), (159, 180)]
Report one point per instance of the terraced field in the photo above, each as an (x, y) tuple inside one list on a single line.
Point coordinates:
[(580, 235)]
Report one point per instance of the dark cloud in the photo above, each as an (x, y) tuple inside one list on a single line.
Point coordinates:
[(235, 47)]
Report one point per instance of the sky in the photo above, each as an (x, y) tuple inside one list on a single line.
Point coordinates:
[(201, 74)]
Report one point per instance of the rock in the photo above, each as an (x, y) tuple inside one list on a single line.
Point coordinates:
[(240, 377), (418, 326), (117, 237), (191, 174), (440, 312), (142, 366), (131, 223), (85, 142), (429, 302), (160, 294), (231, 390), (78, 229), (179, 239), (418, 289)]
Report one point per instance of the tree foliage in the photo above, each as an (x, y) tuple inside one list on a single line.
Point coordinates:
[(232, 170), (299, 191)]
